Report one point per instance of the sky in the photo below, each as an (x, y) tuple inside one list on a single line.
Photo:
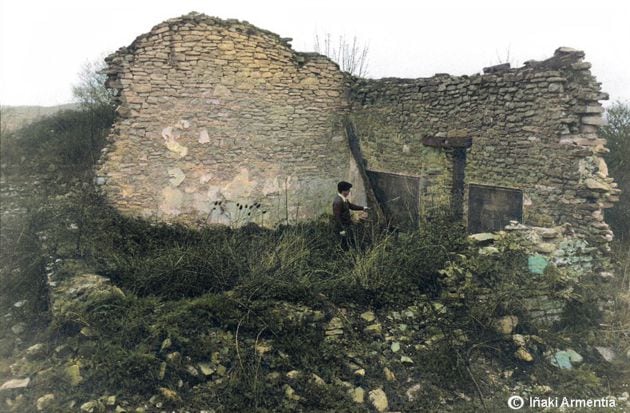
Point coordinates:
[(44, 44)]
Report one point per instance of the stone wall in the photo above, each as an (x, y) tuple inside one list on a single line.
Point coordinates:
[(533, 128), (222, 122)]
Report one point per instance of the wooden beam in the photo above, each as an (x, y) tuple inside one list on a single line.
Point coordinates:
[(444, 142)]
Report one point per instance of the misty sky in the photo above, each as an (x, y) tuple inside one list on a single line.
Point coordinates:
[(44, 44)]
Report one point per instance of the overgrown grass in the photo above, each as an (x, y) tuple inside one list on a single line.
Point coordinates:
[(215, 295), (296, 263), (23, 283)]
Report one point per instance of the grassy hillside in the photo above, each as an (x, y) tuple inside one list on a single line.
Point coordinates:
[(15, 117), (267, 320)]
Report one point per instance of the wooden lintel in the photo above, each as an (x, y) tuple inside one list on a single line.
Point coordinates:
[(447, 143)]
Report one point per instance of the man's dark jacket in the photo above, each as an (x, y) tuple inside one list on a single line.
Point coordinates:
[(341, 211)]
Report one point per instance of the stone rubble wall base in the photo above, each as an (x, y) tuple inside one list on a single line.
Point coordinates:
[(558, 248)]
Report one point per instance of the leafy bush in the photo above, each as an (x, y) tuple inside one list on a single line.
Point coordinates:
[(68, 141), (617, 133)]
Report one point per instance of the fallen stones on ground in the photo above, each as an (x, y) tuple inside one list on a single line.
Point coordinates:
[(206, 369), (334, 328), (565, 359), (374, 329), (263, 348), (505, 325), (368, 316), (379, 399), (389, 375), (168, 394), (73, 374), (358, 395), (413, 391), (518, 339), (93, 406), (522, 354), (35, 351), (318, 380), (606, 353), (166, 344), (293, 374), (290, 394), (484, 237), (15, 384), (18, 328), (44, 402)]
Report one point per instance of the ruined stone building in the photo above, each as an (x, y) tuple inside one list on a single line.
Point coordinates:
[(220, 121)]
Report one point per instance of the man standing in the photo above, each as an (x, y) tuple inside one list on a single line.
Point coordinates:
[(341, 211)]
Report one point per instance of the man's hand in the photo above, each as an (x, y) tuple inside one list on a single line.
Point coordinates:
[(366, 208), (342, 233)]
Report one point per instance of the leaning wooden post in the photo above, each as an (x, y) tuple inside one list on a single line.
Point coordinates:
[(355, 149)]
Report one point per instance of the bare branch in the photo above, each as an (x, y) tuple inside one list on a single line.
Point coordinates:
[(351, 56)]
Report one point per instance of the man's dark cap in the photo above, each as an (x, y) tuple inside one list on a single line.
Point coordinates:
[(343, 186)]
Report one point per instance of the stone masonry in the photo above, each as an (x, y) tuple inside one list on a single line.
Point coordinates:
[(533, 128), (220, 121)]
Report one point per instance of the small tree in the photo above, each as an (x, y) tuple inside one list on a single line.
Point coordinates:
[(91, 90), (97, 104), (351, 56), (617, 133), (6, 119)]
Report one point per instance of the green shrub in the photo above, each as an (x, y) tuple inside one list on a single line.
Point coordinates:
[(617, 133), (68, 141)]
